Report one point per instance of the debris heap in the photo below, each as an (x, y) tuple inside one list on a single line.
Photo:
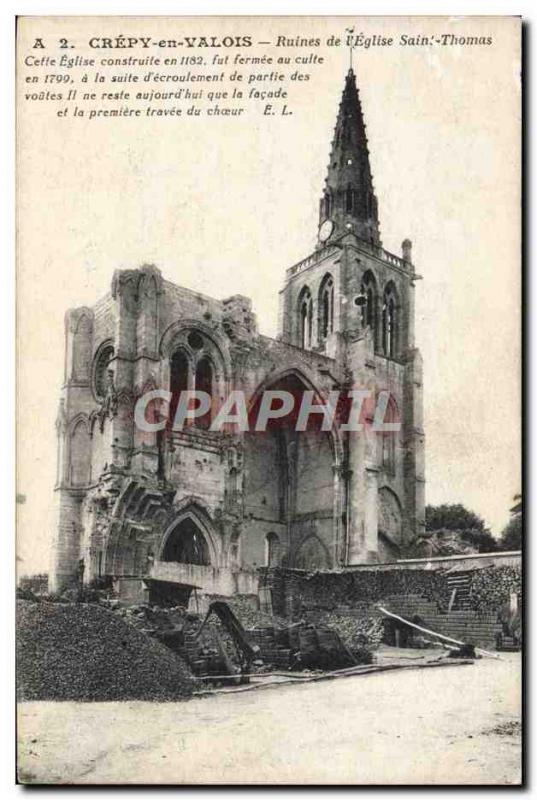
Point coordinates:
[(86, 652)]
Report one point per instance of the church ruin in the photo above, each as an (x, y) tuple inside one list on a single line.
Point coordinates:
[(208, 509)]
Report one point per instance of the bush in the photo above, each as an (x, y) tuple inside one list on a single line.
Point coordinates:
[(512, 534)]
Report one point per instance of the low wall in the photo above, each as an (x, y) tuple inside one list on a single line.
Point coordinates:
[(38, 584), (130, 590), (467, 562), (491, 579), (208, 580)]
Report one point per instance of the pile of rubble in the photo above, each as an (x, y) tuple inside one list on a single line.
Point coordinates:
[(152, 619), (246, 609), (177, 628), (307, 646), (357, 631), (330, 642), (104, 650), (85, 652)]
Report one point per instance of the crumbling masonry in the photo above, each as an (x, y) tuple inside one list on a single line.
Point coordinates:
[(206, 509)]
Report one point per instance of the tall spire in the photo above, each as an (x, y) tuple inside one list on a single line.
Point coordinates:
[(348, 199)]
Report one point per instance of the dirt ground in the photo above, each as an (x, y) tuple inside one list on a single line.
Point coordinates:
[(448, 725)]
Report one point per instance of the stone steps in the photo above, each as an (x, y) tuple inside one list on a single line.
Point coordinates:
[(465, 624), (460, 581)]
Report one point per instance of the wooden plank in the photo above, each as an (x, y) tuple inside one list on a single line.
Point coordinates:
[(434, 633), (345, 673)]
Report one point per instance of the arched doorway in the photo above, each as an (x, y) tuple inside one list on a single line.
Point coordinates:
[(312, 555), (186, 544)]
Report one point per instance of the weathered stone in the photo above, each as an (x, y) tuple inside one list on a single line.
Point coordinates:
[(214, 507)]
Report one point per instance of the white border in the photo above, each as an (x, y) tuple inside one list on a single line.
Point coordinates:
[(9, 10)]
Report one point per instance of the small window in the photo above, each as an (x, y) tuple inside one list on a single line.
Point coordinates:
[(233, 488), (204, 383), (349, 199), (390, 322), (327, 205), (179, 369), (369, 308), (305, 318), (80, 455), (389, 438), (272, 550), (102, 365), (326, 307), (195, 340)]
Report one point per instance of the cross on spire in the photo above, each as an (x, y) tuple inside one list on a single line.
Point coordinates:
[(350, 42)]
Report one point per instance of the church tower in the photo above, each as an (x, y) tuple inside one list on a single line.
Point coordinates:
[(352, 301), (199, 507)]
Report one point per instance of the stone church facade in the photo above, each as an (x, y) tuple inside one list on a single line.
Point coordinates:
[(194, 507)]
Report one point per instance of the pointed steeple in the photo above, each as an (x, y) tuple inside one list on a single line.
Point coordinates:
[(348, 199)]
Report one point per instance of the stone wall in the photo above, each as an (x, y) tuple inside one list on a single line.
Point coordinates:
[(492, 587), (208, 580), (329, 590), (66, 548), (320, 497), (296, 593)]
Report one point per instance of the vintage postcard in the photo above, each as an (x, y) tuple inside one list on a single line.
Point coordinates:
[(269, 383)]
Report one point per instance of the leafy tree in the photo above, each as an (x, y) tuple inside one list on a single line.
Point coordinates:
[(469, 527), (452, 518), (511, 538), (483, 540)]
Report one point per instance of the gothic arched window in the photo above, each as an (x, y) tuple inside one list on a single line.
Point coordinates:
[(389, 438), (232, 493), (186, 544), (305, 311), (179, 369), (196, 364), (100, 370), (312, 555), (81, 349), (369, 308), (204, 383), (326, 307), (80, 455), (390, 322)]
